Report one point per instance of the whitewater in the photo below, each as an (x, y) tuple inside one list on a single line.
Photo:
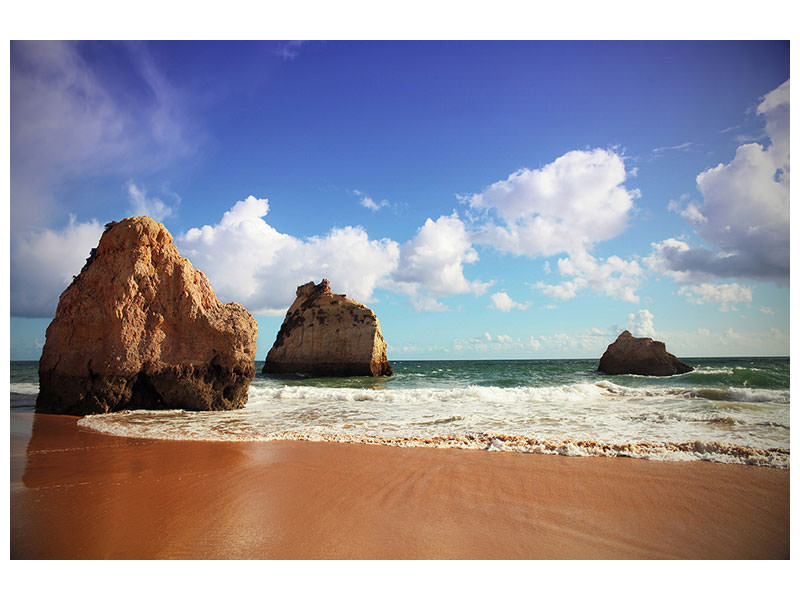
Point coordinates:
[(726, 410)]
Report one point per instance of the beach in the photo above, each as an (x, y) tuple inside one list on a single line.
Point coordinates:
[(79, 494)]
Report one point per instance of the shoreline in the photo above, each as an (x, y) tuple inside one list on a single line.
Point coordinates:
[(717, 452), (81, 494)]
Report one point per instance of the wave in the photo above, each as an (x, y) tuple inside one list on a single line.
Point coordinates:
[(24, 388), (737, 377), (726, 394), (663, 451)]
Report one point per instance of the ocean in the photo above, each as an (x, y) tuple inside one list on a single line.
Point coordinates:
[(732, 410)]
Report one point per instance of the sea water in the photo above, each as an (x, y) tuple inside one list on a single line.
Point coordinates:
[(726, 410)]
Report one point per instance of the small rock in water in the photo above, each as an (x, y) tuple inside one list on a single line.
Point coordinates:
[(639, 356)]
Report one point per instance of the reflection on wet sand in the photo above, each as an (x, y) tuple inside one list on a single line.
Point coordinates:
[(79, 494)]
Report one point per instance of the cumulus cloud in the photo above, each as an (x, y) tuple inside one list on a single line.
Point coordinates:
[(612, 277), (565, 206), (431, 264), (641, 323), (142, 204), (503, 302), (249, 261), (44, 262), (744, 217), (723, 294)]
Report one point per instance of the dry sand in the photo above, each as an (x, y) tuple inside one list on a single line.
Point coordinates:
[(79, 494)]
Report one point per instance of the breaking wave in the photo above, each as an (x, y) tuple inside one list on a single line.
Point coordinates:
[(581, 419)]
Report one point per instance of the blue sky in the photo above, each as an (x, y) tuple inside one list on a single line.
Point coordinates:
[(486, 199)]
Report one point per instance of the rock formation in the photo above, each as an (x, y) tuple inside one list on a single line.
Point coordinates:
[(139, 327), (326, 334), (639, 356)]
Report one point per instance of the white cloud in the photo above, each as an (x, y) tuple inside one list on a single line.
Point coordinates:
[(68, 124), (503, 302), (289, 50), (565, 206), (488, 343), (44, 262), (744, 217), (641, 323), (723, 294), (612, 277), (684, 147), (248, 261), (66, 121), (368, 202), (691, 212), (141, 204), (586, 343), (767, 310), (432, 263)]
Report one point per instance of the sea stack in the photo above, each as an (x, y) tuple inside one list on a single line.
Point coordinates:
[(139, 327), (639, 356), (328, 335)]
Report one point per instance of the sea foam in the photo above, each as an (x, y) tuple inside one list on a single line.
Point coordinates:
[(582, 419)]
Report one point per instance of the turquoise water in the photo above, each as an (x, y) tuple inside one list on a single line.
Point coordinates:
[(727, 410)]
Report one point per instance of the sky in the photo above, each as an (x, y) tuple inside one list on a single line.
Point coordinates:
[(486, 199)]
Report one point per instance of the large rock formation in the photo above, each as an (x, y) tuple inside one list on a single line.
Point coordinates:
[(639, 356), (326, 334), (139, 327)]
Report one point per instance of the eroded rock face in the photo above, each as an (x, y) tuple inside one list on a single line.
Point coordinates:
[(639, 356), (139, 327), (326, 334)]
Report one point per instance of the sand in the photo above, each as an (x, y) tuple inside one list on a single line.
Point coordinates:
[(80, 494)]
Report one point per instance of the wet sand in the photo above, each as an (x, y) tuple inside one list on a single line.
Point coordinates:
[(80, 494)]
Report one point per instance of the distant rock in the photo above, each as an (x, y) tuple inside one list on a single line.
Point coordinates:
[(639, 356), (139, 327), (327, 334)]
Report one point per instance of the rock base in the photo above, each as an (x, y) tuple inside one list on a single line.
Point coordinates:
[(201, 387)]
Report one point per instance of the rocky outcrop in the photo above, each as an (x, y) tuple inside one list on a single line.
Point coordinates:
[(326, 334), (639, 356), (139, 327)]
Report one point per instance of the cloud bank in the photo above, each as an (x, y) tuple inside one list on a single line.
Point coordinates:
[(744, 217), (249, 261)]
